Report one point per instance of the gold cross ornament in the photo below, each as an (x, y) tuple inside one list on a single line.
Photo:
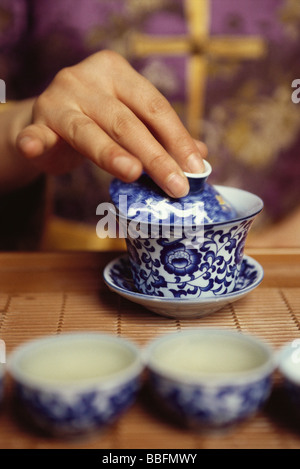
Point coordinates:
[(199, 46)]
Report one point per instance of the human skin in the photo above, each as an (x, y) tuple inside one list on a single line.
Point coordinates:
[(103, 110)]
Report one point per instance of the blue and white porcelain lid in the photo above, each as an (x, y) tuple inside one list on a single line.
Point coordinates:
[(143, 201)]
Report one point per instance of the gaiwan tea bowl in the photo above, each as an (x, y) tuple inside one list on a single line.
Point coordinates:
[(288, 360), (184, 248), (75, 383), (210, 378)]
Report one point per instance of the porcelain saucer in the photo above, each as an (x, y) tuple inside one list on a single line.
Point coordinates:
[(118, 278)]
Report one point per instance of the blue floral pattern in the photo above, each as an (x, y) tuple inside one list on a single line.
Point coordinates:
[(209, 405), (57, 413), (147, 203), (120, 275), (173, 267), (179, 259)]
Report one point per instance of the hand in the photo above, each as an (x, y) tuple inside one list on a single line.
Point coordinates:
[(104, 110)]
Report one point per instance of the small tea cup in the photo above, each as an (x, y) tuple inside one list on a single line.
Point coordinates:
[(288, 359), (75, 382), (210, 378)]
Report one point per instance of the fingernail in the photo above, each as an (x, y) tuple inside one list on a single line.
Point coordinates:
[(31, 147), (195, 163), (125, 167), (177, 186), (25, 142)]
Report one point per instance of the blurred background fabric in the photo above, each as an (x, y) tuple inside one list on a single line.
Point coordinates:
[(226, 66)]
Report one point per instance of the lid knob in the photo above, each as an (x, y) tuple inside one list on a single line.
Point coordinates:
[(197, 180)]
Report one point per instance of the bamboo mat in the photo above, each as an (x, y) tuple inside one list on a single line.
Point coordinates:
[(51, 293)]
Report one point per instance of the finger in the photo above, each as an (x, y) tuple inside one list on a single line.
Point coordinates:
[(202, 148), (35, 140), (87, 138), (130, 133), (157, 113)]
